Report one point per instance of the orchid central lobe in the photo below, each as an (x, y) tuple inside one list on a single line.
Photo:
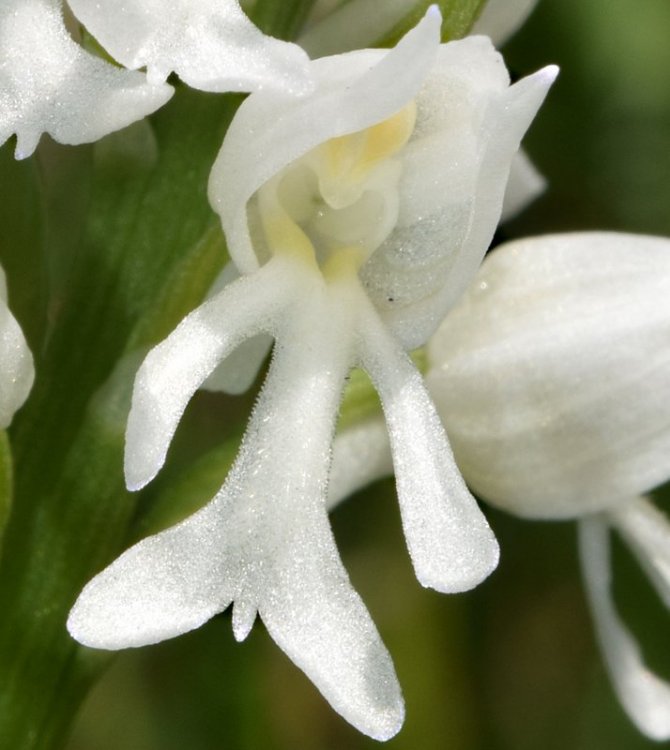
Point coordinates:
[(340, 198)]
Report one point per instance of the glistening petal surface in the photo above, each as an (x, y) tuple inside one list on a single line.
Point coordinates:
[(49, 84), (177, 367), (455, 170), (451, 545), (553, 374), (210, 44)]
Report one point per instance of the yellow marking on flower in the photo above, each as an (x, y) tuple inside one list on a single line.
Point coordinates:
[(356, 154), (344, 262), (284, 236)]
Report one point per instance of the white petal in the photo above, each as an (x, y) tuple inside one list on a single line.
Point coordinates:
[(451, 545), (361, 455), (210, 44), (553, 374), (177, 367), (455, 170), (644, 696), (17, 371), (499, 19), (264, 541), (647, 532), (355, 25), (49, 84), (524, 186), (353, 92), (238, 371)]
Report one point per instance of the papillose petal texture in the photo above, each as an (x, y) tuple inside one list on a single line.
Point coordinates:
[(17, 371), (310, 191), (49, 84), (210, 44), (552, 375)]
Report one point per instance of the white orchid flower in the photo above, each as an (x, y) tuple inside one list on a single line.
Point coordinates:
[(552, 377), (210, 44), (50, 84), (17, 372), (356, 217)]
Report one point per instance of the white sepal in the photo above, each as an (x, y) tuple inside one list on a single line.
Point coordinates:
[(644, 695), (17, 371), (552, 374), (49, 84), (455, 171), (524, 186), (210, 44)]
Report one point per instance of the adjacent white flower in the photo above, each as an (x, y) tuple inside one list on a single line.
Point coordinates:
[(356, 215), (210, 44), (552, 377), (50, 84), (17, 371)]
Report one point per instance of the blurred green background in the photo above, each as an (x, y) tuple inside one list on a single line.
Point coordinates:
[(512, 665)]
